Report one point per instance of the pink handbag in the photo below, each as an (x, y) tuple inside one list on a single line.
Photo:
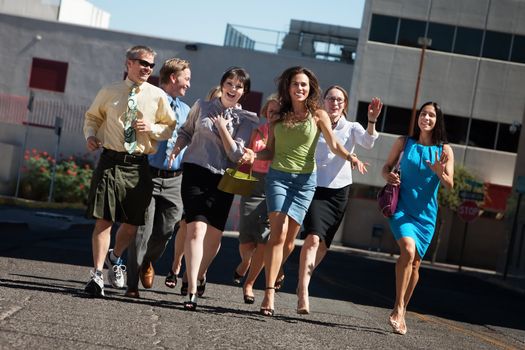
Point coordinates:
[(388, 196)]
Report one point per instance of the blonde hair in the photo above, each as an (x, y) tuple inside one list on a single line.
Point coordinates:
[(213, 93), (272, 98), (173, 65)]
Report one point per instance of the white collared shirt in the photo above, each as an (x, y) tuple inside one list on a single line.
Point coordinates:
[(332, 170)]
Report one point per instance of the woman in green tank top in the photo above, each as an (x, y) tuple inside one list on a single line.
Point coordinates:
[(291, 180)]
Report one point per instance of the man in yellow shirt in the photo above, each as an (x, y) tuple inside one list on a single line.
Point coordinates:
[(132, 115)]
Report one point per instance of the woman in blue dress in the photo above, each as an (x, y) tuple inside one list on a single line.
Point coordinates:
[(427, 161)]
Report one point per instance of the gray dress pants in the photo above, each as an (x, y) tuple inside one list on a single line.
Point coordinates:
[(163, 214)]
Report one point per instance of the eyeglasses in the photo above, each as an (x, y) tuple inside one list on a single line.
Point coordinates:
[(334, 99), (144, 63)]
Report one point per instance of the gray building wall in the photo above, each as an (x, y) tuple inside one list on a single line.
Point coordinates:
[(96, 57), (466, 86)]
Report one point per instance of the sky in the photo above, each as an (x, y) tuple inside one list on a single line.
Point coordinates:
[(205, 21)]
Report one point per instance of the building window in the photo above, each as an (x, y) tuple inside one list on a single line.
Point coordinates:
[(442, 36), (397, 120), (383, 29), (496, 45), (508, 138), (457, 128), (362, 116), (48, 75), (482, 133), (468, 41), (518, 49), (409, 31)]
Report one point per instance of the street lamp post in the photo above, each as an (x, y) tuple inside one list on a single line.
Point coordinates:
[(424, 42)]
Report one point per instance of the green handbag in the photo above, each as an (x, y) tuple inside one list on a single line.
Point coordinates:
[(237, 182)]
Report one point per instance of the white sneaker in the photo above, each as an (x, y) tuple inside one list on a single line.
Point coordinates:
[(95, 286), (115, 271)]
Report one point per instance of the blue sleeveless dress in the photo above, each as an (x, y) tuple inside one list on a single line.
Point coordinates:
[(416, 211)]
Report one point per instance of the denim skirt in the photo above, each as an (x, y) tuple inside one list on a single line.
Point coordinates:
[(290, 193)]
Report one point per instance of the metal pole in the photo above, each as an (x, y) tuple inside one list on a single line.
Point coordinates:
[(19, 173), (58, 131), (512, 238), (463, 246), (424, 41)]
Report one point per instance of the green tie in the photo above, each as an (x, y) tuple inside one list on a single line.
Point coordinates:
[(130, 139)]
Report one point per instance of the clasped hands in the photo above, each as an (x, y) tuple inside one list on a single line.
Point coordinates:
[(248, 156)]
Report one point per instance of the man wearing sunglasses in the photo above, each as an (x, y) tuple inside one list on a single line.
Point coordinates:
[(165, 209), (132, 115)]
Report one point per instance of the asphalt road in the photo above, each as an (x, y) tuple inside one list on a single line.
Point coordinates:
[(44, 266)]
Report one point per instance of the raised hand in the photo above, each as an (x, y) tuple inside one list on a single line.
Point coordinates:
[(438, 167), (374, 108)]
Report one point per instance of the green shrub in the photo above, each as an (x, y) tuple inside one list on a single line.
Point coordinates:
[(72, 177)]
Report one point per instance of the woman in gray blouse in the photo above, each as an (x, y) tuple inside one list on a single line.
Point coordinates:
[(216, 133)]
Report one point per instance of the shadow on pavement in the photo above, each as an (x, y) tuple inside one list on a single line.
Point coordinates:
[(341, 276)]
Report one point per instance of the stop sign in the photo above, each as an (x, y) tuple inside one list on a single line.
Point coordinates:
[(468, 211)]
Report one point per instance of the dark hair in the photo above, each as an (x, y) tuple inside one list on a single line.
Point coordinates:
[(283, 85), (239, 73), (345, 94), (439, 133)]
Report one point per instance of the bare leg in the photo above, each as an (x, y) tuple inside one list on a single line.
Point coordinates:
[(255, 269), (312, 253), (178, 249), (282, 227), (404, 263), (212, 244), (414, 278), (193, 252), (246, 251), (100, 240), (125, 236)]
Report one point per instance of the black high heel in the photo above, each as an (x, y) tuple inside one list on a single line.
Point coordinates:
[(201, 287), (171, 280), (237, 279), (266, 311), (184, 288), (191, 305)]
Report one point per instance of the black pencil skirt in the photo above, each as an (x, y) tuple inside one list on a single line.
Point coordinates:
[(201, 198), (326, 213)]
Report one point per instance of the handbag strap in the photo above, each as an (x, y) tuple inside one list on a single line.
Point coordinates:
[(239, 165), (396, 168)]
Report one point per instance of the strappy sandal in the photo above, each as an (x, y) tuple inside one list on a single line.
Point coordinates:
[(171, 280), (266, 311), (396, 326), (279, 283), (191, 305), (201, 287)]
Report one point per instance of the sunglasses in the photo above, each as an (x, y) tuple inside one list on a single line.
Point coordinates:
[(144, 63)]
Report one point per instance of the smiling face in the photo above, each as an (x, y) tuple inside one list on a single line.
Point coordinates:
[(273, 109), (299, 88), (181, 82), (138, 70), (427, 118), (335, 103), (231, 92)]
